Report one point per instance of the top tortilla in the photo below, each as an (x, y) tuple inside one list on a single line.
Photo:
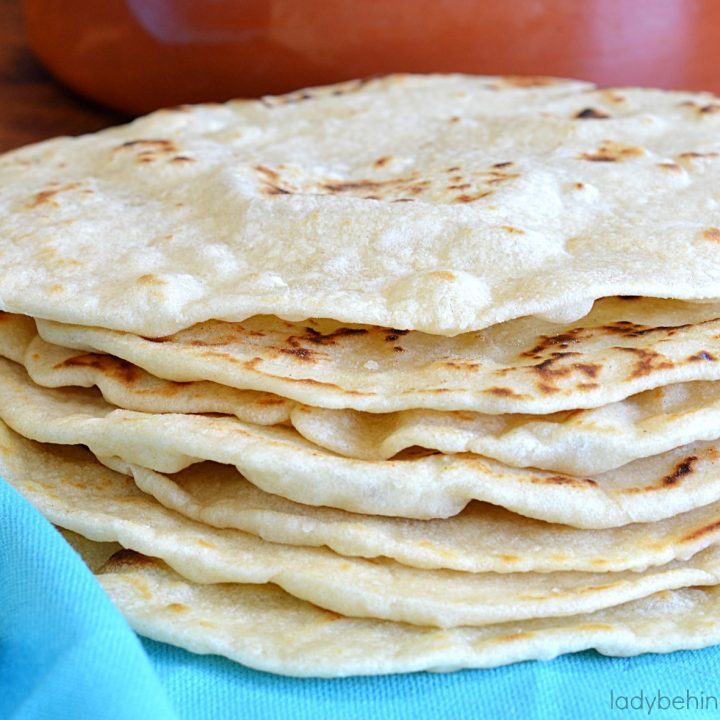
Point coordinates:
[(438, 203)]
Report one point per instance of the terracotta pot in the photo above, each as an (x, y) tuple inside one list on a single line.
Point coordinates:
[(137, 55)]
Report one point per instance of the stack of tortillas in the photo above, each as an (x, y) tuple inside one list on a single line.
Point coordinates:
[(414, 373)]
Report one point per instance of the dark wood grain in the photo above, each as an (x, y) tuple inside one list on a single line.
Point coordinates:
[(32, 105)]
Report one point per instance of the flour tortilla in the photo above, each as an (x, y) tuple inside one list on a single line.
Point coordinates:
[(76, 493), (580, 442), (622, 347), (264, 628), (417, 485), (482, 538), (436, 203)]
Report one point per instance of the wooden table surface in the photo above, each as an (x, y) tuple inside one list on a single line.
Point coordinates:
[(32, 105)]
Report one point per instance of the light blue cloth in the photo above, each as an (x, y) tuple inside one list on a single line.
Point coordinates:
[(66, 653)]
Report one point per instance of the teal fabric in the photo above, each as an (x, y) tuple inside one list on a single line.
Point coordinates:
[(66, 653)]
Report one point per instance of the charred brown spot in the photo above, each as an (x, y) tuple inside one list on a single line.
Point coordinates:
[(712, 234), (177, 608), (512, 230), (710, 529), (181, 159), (671, 166), (158, 144), (507, 163), (563, 480), (298, 352), (351, 185), (561, 340), (612, 152), (271, 189), (710, 109), (628, 297), (382, 161), (317, 338), (106, 364), (589, 369), (150, 279), (466, 198), (702, 356), (397, 348), (681, 470), (648, 361), (579, 186), (157, 339), (547, 388), (47, 197), (503, 392), (587, 386), (590, 113)]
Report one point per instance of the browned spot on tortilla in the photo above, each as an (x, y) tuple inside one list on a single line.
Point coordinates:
[(272, 400), (157, 339), (351, 185), (710, 529), (590, 113), (205, 543), (528, 81), (507, 163), (177, 608), (509, 558), (682, 469), (180, 159), (512, 230), (547, 388), (648, 361), (516, 636), (671, 166), (317, 338), (397, 348), (710, 109), (47, 197), (152, 145), (712, 234), (563, 480), (272, 183), (299, 352), (382, 161), (579, 186), (691, 155), (610, 151), (702, 356), (462, 364), (589, 369), (504, 392), (442, 275), (587, 386), (467, 198), (106, 364), (151, 280)]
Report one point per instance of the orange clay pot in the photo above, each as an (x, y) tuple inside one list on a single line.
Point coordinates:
[(136, 55)]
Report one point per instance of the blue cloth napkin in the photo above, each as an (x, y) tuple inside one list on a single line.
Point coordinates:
[(66, 653)]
